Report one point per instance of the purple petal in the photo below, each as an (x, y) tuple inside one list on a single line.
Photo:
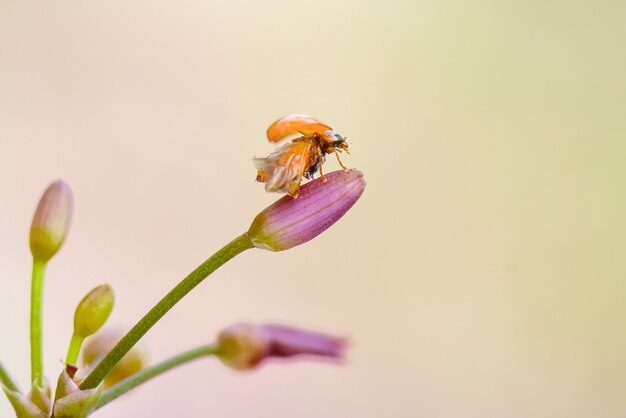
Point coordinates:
[(287, 341)]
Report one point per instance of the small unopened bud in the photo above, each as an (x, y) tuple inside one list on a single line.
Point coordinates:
[(51, 221), (99, 345), (244, 346), (93, 311), (290, 222)]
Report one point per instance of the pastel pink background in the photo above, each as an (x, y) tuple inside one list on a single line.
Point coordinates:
[(482, 274)]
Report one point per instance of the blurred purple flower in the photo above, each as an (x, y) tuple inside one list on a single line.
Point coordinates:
[(100, 344), (244, 346), (293, 221)]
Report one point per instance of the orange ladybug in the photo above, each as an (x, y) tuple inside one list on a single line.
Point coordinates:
[(283, 170)]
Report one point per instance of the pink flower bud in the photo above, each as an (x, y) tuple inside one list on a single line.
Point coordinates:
[(51, 221), (244, 346), (293, 221)]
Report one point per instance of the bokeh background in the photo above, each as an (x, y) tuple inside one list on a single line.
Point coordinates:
[(483, 272)]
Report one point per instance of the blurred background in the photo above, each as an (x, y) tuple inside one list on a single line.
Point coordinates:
[(482, 274)]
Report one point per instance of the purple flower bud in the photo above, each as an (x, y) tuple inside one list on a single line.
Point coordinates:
[(293, 221), (51, 221), (244, 346)]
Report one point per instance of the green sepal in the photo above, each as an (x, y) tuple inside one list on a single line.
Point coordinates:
[(41, 397), (22, 404), (72, 402)]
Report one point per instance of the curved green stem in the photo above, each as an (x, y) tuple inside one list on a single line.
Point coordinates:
[(74, 349), (36, 302), (6, 380), (143, 376), (230, 250)]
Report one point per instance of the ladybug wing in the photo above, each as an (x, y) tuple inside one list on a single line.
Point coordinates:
[(293, 124), (315, 128), (283, 169)]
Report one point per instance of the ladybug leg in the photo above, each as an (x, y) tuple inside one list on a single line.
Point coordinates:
[(320, 163), (322, 174), (340, 163), (261, 176)]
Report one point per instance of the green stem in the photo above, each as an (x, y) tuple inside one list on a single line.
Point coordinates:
[(36, 299), (230, 250), (143, 376), (72, 352), (6, 379)]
